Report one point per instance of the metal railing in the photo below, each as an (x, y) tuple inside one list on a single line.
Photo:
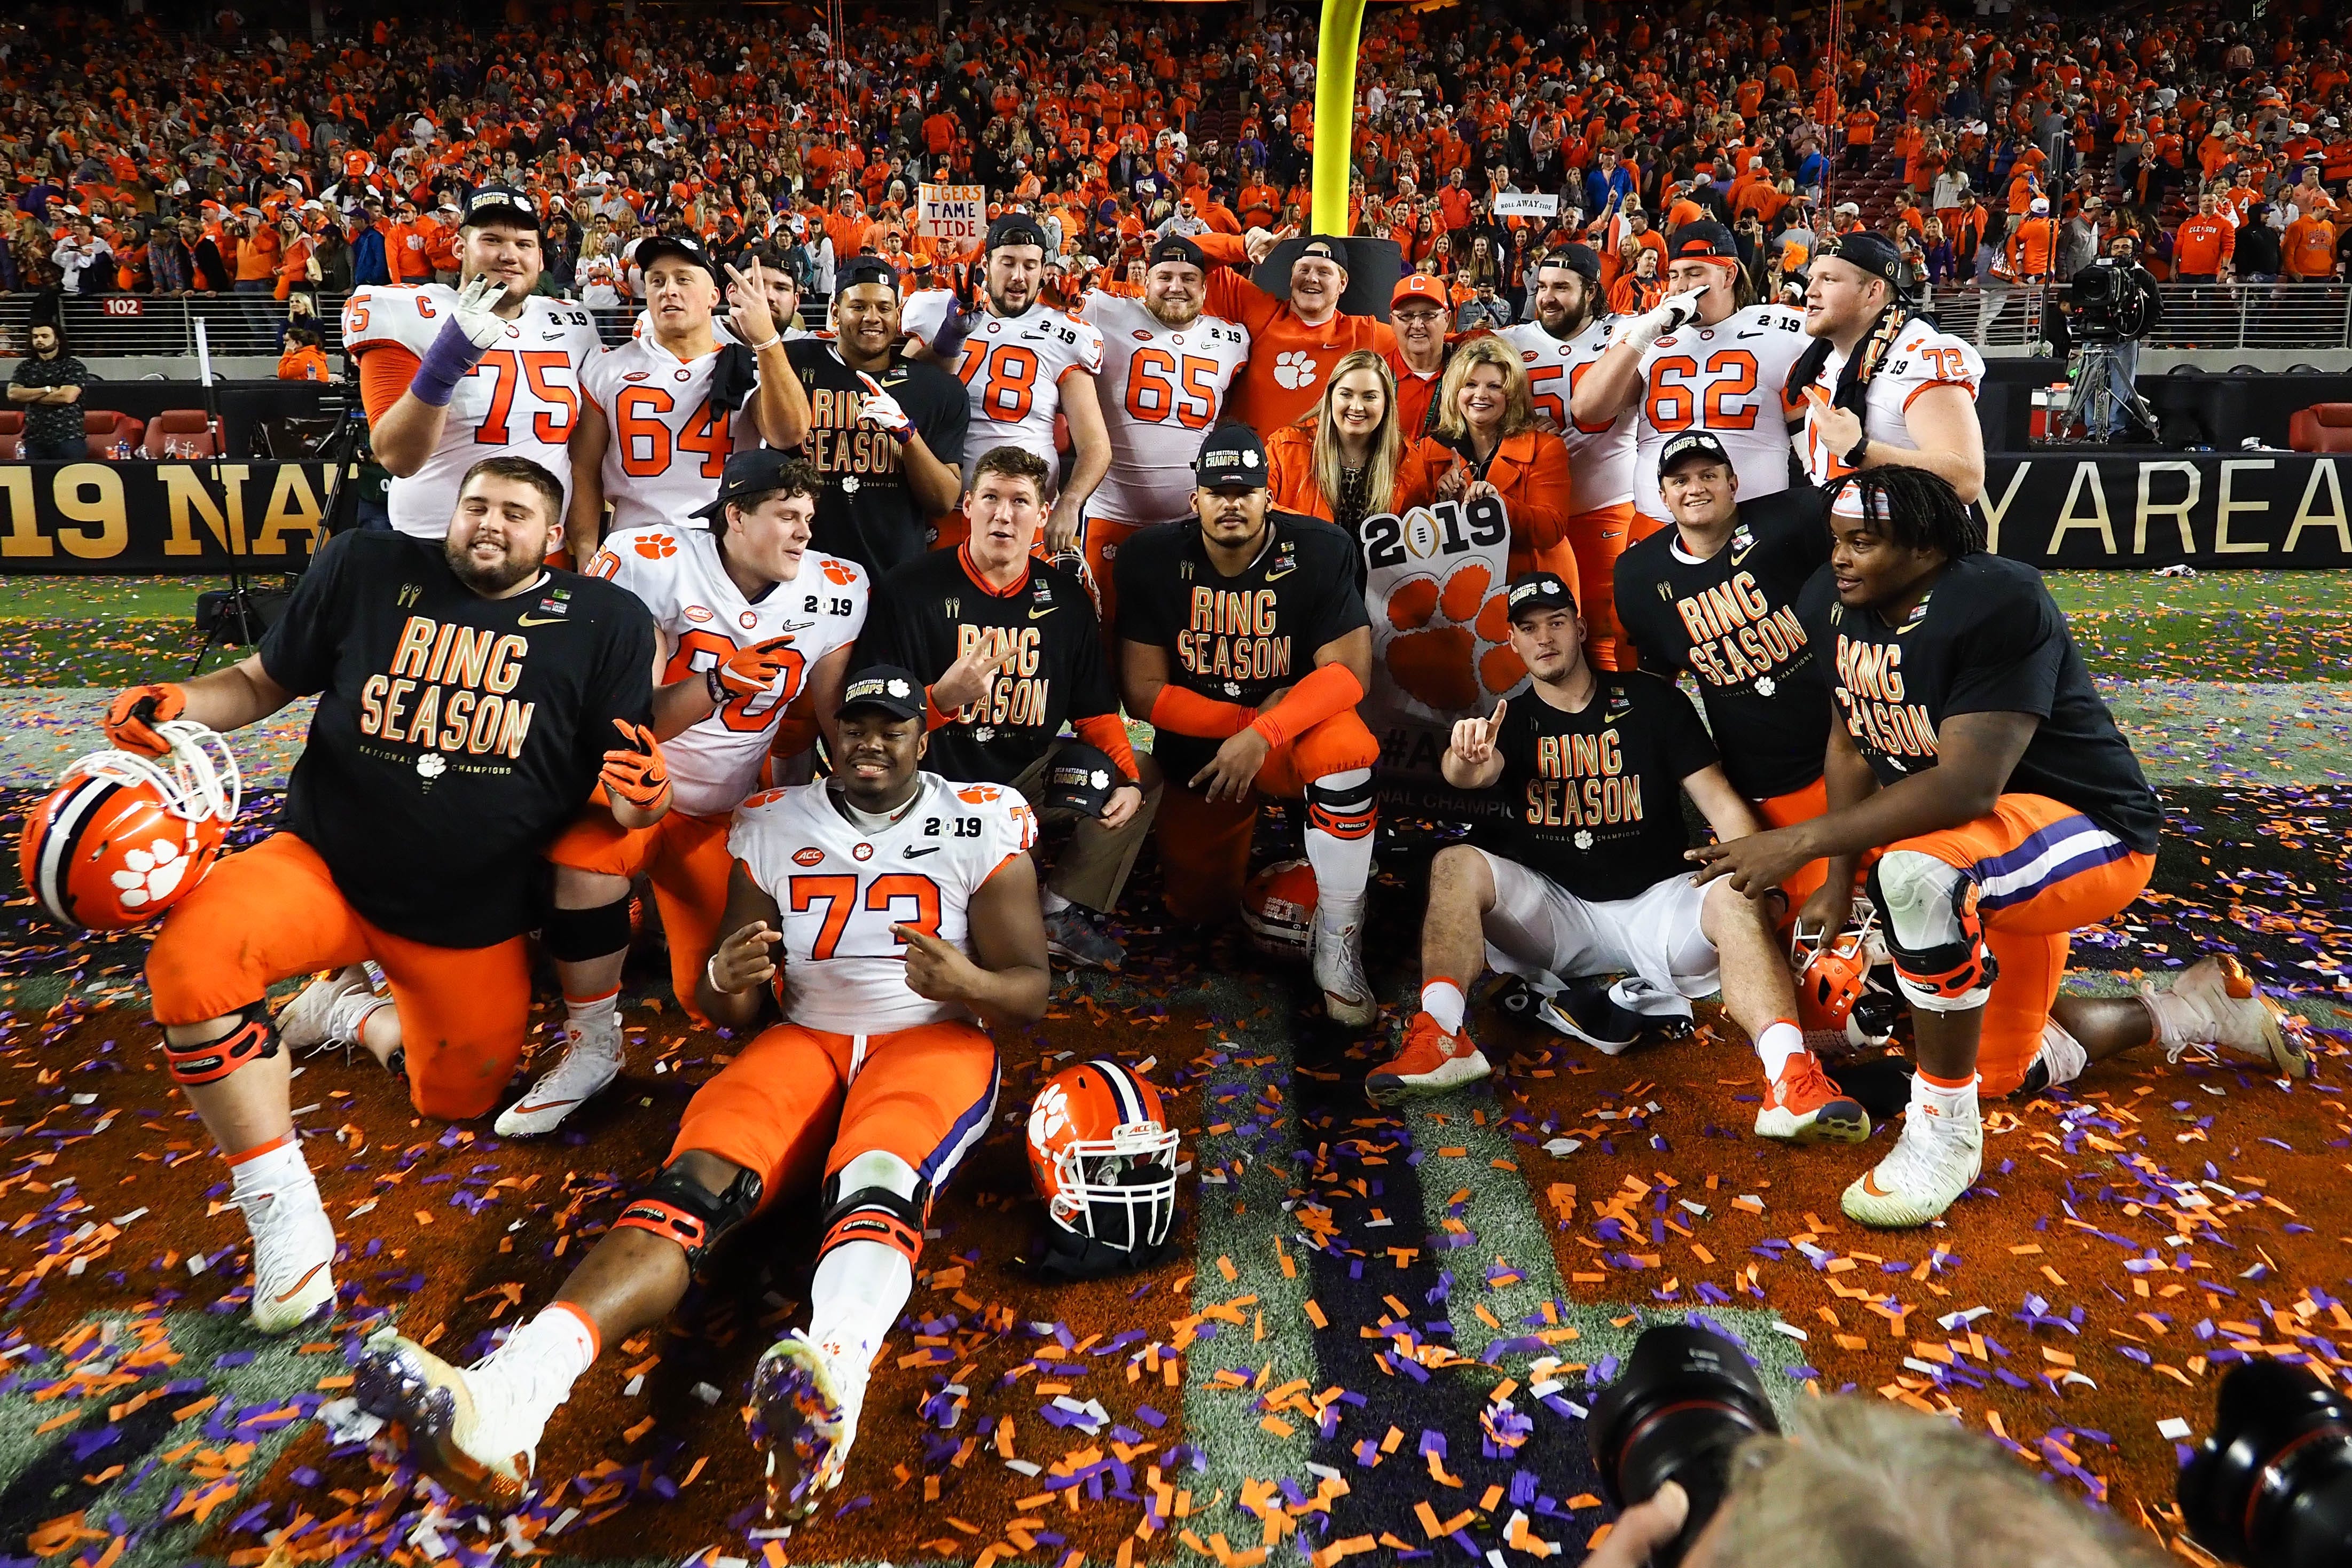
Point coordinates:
[(2273, 317)]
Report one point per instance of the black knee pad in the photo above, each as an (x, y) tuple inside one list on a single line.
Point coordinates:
[(576, 936), (1346, 811), (876, 1213), (255, 1038), (678, 1209)]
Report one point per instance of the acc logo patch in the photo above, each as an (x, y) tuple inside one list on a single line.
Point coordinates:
[(637, 375), (809, 856), (697, 613)]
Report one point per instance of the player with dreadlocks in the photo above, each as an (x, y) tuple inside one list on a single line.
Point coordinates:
[(1882, 388), (1969, 747)]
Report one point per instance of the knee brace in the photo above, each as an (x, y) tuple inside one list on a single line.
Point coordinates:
[(1933, 932), (678, 1209), (255, 1038), (576, 936), (1342, 803), (877, 1197)]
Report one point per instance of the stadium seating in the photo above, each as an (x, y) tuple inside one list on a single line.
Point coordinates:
[(188, 429), (2322, 428)]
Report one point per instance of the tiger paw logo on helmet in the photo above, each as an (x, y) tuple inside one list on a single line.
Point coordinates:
[(150, 878), (1454, 655), (123, 837), (1293, 369)]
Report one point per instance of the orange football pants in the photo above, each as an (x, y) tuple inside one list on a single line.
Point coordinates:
[(1643, 526), (2041, 870), (273, 911), (1598, 538), (687, 860), (1202, 876), (1104, 537), (1786, 811), (801, 1104)]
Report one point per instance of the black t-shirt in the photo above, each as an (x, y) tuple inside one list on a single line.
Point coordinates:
[(1732, 622), (930, 612), (1987, 639), (1595, 796), (456, 735), (867, 513)]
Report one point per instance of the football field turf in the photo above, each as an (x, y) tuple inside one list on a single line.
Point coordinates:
[(1379, 1332)]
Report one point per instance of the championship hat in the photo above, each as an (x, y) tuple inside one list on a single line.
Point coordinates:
[(1176, 248), (500, 203), (1323, 246), (1080, 778), (1872, 253), (1232, 458), (1691, 444), (1532, 592), (894, 690)]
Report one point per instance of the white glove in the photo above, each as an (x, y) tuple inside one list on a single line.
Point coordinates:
[(1654, 323), (881, 410), (477, 312)]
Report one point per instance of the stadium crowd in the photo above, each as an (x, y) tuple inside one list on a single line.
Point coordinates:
[(254, 161)]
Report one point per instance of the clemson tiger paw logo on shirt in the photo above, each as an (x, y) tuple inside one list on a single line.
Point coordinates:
[(1455, 653), (1294, 369), (150, 876), (654, 546)]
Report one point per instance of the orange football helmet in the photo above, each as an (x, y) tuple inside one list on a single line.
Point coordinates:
[(1278, 910), (125, 836), (1834, 979), (1104, 1157)]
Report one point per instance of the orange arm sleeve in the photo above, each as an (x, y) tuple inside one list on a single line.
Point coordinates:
[(1328, 690), (386, 371), (1183, 713), (1107, 733)]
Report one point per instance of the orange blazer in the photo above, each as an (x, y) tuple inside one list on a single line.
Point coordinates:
[(1530, 473)]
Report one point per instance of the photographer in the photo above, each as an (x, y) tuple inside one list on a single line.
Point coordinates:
[(2115, 302)]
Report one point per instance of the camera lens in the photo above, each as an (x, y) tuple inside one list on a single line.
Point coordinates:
[(1686, 1399), (2272, 1488)]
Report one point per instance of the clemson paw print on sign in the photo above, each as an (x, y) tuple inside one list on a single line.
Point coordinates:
[(654, 546), (150, 876), (1455, 654), (1294, 369)]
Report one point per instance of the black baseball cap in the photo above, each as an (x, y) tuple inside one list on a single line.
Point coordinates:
[(1322, 245), (686, 251), (894, 690), (1702, 239), (1534, 592), (1577, 258), (1232, 458), (1872, 253), (748, 473), (1080, 778), (867, 270), (500, 203), (1016, 228), (1176, 248), (1691, 444)]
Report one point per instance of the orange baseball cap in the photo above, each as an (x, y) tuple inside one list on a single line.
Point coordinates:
[(1418, 286)]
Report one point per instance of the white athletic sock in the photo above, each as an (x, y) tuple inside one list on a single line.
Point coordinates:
[(2061, 1055), (2178, 1021), (540, 1361), (590, 1020), (855, 1299), (1779, 1041), (1953, 1108), (1342, 866), (1442, 1000), (1052, 902), (272, 1167)]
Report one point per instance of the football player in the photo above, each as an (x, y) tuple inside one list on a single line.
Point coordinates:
[(1967, 745), (887, 909), (1012, 647), (1021, 364), (750, 622), (1167, 367), (450, 376), (1883, 387), (1586, 878), (468, 698), (1243, 637), (662, 409), (1560, 347), (1706, 359)]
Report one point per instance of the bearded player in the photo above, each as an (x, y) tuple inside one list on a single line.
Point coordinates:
[(1968, 745), (450, 376), (885, 909), (750, 622), (1706, 359), (1021, 364), (1166, 369), (1242, 636), (1559, 348), (467, 698)]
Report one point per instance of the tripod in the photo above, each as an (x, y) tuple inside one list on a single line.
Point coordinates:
[(2095, 401)]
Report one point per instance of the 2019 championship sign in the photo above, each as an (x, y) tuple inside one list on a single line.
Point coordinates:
[(184, 517), (2273, 510)]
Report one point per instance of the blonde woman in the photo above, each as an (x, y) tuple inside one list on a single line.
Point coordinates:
[(1487, 442), (1345, 461)]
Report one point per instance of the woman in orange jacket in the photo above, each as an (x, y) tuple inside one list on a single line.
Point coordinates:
[(1344, 462), (1487, 442)]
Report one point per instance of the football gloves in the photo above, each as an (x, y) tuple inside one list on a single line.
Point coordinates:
[(132, 718), (633, 770), (750, 671), (882, 411)]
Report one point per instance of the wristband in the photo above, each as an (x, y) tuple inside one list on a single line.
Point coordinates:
[(1853, 459), (710, 975), (449, 359), (718, 688), (773, 340)]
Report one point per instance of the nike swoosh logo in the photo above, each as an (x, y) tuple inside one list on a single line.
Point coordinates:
[(1037, 615), (540, 621), (913, 854), (1272, 576), (299, 1285), (1745, 336), (1870, 1184)]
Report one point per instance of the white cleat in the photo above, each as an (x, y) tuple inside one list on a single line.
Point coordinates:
[(467, 1431), (308, 1022), (293, 1256), (592, 1061), (2217, 1004), (1339, 971), (803, 1416), (1924, 1175)]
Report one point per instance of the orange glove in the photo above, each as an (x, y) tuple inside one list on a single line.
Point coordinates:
[(635, 771), (750, 671), (132, 718)]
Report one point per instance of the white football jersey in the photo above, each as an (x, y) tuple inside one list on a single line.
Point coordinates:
[(522, 400), (667, 447), (1012, 369), (1922, 357), (1729, 379), (1599, 456), (677, 572), (840, 888), (1161, 389)]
